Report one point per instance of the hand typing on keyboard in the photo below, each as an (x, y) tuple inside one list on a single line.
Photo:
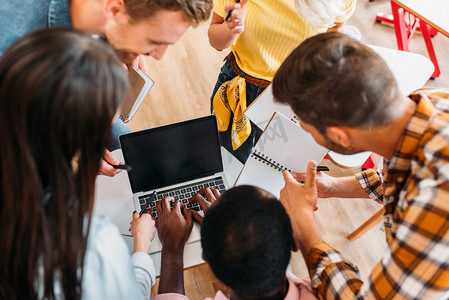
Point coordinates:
[(205, 198), (173, 227), (209, 189)]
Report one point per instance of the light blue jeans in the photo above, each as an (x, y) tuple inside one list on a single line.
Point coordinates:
[(118, 128)]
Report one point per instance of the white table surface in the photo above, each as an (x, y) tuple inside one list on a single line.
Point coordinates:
[(411, 70), (113, 198)]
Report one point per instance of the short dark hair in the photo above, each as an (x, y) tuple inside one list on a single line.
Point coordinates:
[(247, 240), (195, 11), (333, 80)]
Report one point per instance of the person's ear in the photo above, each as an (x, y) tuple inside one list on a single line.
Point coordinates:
[(113, 7), (339, 135)]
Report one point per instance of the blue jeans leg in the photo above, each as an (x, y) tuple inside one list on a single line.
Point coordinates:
[(252, 92), (118, 128)]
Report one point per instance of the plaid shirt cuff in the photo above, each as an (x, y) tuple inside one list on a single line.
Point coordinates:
[(332, 275), (371, 182)]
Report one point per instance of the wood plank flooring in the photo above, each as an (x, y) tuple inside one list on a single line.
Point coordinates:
[(184, 80)]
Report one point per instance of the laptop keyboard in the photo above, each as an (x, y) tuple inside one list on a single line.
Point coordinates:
[(183, 194)]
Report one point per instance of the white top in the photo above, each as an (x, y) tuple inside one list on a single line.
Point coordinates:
[(110, 272)]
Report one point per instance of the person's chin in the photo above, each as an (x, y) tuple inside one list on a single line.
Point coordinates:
[(347, 151), (125, 57), (342, 150)]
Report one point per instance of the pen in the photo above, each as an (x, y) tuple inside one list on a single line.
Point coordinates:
[(123, 167), (319, 168), (230, 12), (147, 205)]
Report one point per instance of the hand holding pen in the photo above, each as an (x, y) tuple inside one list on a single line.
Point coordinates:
[(143, 227), (324, 183), (107, 164), (144, 210), (143, 230), (110, 166), (235, 16)]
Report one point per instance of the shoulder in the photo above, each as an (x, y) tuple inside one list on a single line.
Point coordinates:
[(439, 97), (100, 224), (431, 159), (18, 18), (433, 117), (108, 268), (104, 244)]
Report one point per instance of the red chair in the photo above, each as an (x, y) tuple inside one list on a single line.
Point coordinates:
[(406, 22)]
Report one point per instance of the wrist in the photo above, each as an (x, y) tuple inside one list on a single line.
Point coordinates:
[(342, 186), (306, 232), (141, 245), (175, 257), (172, 251), (172, 264), (231, 36), (333, 186)]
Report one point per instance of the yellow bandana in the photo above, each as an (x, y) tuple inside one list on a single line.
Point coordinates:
[(231, 98)]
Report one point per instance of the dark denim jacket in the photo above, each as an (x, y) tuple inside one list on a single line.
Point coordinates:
[(18, 17)]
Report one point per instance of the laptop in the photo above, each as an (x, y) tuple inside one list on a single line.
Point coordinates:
[(175, 160)]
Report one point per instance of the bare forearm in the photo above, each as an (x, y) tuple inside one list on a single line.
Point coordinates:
[(141, 246), (220, 37), (172, 274), (347, 187), (306, 233)]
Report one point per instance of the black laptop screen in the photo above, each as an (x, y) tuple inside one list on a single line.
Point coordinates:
[(172, 154)]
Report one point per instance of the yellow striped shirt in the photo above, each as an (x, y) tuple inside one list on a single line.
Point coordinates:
[(272, 30)]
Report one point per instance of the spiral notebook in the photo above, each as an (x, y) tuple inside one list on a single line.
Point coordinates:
[(262, 109), (283, 145)]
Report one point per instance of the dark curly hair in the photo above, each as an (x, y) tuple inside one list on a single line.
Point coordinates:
[(247, 240)]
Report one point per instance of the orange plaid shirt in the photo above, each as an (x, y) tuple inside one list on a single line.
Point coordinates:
[(415, 193)]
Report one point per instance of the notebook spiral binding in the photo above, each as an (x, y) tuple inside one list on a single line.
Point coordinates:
[(268, 161)]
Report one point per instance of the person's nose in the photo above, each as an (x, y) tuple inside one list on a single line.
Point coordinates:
[(159, 52)]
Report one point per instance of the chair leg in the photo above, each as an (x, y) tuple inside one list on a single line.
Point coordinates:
[(399, 26), (370, 223), (426, 33)]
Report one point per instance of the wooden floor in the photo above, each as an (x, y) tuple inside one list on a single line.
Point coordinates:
[(184, 80)]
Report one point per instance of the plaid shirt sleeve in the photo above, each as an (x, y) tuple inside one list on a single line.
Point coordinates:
[(371, 182), (415, 266), (332, 275)]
